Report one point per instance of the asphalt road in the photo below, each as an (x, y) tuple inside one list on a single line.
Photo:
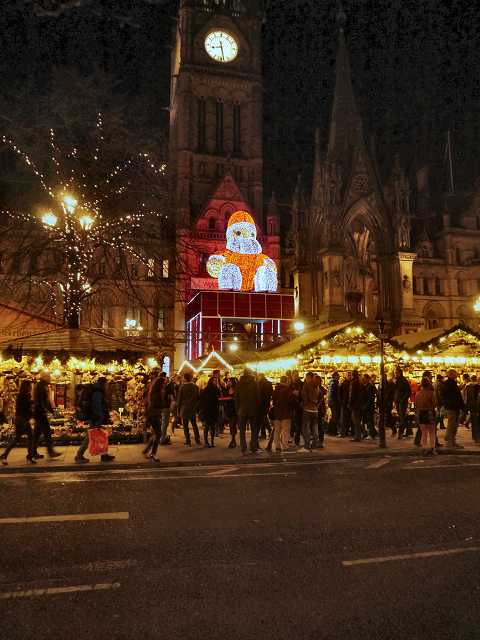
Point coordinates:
[(370, 548)]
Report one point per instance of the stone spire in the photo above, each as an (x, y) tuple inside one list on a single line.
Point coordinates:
[(345, 124)]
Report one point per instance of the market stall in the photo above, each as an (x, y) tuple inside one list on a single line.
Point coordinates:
[(73, 357)]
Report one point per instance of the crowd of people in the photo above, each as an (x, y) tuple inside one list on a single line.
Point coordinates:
[(297, 413), (292, 414)]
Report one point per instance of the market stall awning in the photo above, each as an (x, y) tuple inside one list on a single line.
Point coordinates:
[(412, 340), (74, 341), (304, 341)]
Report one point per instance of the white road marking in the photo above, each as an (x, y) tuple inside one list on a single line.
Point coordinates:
[(57, 590), (443, 466), (377, 464), (220, 472), (162, 478), (120, 515), (409, 556)]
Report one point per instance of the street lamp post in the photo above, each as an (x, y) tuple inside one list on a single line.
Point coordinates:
[(72, 231), (382, 441)]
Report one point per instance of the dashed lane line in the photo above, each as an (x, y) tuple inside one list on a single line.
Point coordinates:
[(409, 556), (377, 464), (120, 515), (220, 472), (58, 590)]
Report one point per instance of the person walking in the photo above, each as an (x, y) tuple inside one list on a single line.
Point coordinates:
[(310, 392), (100, 416), (266, 392), (42, 406), (156, 403), (187, 401), (401, 398), (247, 400), (231, 411), (388, 395), (210, 410), (23, 414), (425, 403), (334, 404), (453, 403), (355, 404), (283, 407)]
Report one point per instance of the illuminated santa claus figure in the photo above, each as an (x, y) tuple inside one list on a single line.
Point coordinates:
[(243, 266)]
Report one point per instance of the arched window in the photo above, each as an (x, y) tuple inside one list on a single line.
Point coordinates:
[(476, 253), (438, 291), (459, 286), (211, 224), (425, 285), (458, 256), (414, 280), (237, 129)]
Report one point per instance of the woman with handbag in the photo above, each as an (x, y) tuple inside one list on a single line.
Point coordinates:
[(156, 403), (23, 413)]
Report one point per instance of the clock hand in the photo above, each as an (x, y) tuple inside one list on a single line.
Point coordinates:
[(221, 47)]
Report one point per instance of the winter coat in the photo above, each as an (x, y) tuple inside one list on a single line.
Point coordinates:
[(355, 399), (369, 393), (247, 396), (266, 391), (310, 392), (209, 404), (41, 399), (99, 405), (403, 390), (23, 406), (333, 393), (230, 408), (438, 389), (452, 396), (283, 402), (187, 399), (472, 396), (344, 392), (425, 400)]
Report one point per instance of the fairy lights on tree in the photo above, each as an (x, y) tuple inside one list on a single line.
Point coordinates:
[(96, 199)]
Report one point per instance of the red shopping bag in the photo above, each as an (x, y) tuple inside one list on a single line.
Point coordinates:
[(97, 441)]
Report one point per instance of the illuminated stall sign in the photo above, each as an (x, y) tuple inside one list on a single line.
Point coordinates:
[(242, 266)]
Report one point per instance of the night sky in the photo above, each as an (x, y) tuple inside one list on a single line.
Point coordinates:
[(414, 67)]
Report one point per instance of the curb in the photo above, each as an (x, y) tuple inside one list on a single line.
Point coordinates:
[(271, 459)]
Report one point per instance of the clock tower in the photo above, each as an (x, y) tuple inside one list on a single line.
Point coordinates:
[(216, 103)]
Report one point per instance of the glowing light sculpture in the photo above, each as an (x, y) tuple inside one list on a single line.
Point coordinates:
[(243, 266)]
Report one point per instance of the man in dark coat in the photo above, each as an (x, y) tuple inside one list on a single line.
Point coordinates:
[(369, 395), (187, 401), (334, 404), (355, 404), (266, 391), (41, 408), (100, 416), (401, 397), (453, 403), (247, 401), (345, 414), (283, 406)]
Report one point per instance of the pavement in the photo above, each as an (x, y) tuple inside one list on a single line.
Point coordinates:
[(130, 456)]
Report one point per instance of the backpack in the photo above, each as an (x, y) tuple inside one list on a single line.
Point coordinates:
[(83, 402)]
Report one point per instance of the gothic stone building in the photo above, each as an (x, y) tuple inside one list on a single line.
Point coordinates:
[(354, 249)]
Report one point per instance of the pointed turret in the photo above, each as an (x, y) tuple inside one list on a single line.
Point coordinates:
[(345, 125), (273, 217), (318, 187)]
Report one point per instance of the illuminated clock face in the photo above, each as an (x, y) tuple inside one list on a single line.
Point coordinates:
[(221, 46)]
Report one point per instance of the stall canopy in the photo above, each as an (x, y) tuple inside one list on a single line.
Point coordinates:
[(74, 342), (303, 342), (216, 360)]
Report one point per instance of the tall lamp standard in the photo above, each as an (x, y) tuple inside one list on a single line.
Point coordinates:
[(72, 230), (382, 441)]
